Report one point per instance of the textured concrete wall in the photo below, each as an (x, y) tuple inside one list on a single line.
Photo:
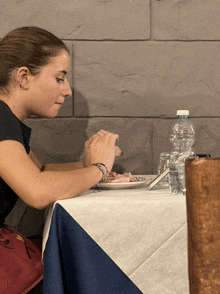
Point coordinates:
[(134, 63)]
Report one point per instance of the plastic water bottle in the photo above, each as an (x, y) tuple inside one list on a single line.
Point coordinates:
[(182, 137)]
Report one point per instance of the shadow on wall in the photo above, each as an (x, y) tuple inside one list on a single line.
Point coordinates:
[(71, 134), (95, 125), (62, 139), (83, 111), (135, 136), (81, 124)]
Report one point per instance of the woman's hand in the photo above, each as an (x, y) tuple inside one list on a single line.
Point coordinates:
[(101, 148)]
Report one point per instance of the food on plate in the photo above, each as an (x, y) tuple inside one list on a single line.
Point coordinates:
[(114, 177), (118, 151)]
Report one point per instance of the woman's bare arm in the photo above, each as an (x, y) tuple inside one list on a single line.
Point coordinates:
[(56, 166), (40, 189)]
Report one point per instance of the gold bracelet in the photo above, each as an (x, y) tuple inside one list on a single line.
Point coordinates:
[(103, 168)]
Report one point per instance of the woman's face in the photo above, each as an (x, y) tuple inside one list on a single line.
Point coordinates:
[(49, 88)]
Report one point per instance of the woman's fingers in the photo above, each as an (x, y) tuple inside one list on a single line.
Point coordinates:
[(112, 138), (118, 151), (103, 132), (100, 134), (101, 148)]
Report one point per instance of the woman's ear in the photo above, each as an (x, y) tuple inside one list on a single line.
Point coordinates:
[(23, 77)]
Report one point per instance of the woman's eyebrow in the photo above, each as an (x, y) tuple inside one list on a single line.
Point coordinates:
[(63, 71)]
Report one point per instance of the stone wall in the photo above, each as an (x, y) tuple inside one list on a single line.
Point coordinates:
[(134, 63)]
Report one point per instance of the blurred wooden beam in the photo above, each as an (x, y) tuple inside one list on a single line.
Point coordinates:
[(203, 219)]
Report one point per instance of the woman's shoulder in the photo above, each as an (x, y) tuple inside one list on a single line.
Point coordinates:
[(12, 128), (6, 115), (4, 106), (9, 124)]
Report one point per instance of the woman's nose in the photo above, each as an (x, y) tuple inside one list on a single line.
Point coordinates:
[(67, 91)]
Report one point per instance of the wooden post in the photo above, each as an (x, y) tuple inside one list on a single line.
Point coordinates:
[(203, 220)]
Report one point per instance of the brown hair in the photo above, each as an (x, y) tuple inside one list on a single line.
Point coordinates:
[(31, 47)]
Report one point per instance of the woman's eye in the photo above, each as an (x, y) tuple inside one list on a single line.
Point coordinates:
[(59, 80)]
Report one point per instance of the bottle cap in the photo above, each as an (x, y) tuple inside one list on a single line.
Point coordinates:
[(183, 112)]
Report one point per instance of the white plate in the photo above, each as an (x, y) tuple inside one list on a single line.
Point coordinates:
[(126, 185)]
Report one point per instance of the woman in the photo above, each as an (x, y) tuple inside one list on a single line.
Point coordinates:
[(33, 69)]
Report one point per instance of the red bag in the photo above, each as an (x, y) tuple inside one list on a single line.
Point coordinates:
[(20, 263)]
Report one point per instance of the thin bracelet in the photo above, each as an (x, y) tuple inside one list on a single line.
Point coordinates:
[(101, 167), (107, 172)]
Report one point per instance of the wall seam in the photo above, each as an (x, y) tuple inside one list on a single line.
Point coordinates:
[(151, 19), (141, 40), (73, 80)]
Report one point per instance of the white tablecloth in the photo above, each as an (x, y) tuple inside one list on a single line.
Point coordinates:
[(144, 232)]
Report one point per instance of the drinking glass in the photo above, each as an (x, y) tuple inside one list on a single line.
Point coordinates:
[(162, 166)]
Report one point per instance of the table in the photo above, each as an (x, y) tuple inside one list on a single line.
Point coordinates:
[(117, 241)]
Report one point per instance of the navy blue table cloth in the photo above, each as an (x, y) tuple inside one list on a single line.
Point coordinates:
[(74, 263)]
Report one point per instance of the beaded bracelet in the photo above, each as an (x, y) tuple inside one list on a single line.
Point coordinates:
[(103, 168)]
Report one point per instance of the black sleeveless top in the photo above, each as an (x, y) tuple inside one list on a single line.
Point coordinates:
[(11, 128)]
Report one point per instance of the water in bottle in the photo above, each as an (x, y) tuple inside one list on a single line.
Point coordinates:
[(182, 137)]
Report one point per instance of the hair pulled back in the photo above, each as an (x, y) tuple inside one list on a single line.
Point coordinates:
[(31, 47)]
